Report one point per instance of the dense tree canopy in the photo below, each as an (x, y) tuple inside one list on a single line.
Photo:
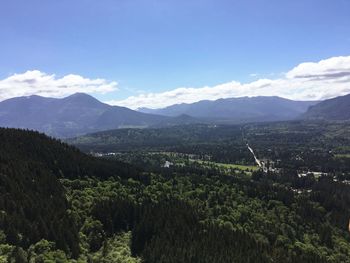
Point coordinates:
[(60, 205)]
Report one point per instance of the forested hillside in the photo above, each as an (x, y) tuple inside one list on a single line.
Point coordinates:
[(32, 201), (60, 205), (315, 145), (223, 142), (33, 204), (332, 109)]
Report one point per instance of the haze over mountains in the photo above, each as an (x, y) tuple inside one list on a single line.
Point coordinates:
[(332, 109), (244, 109), (81, 113), (70, 116)]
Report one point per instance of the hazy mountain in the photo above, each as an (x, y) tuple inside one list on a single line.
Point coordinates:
[(81, 113), (332, 109), (70, 116), (243, 109), (182, 119)]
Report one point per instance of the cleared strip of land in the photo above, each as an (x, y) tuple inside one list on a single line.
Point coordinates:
[(228, 165)]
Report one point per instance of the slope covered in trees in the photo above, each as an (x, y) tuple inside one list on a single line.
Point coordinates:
[(32, 200), (85, 209), (310, 145), (332, 109)]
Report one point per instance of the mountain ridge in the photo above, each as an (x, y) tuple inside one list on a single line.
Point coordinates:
[(74, 115), (81, 113), (337, 108), (242, 109)]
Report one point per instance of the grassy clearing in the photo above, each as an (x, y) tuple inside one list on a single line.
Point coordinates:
[(180, 159), (345, 155), (228, 165)]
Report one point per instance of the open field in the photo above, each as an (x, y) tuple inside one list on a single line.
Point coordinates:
[(228, 165)]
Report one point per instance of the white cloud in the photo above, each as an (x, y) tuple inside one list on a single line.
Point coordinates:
[(307, 81), (333, 68), (40, 83)]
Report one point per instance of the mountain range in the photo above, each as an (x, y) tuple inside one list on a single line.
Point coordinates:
[(237, 110), (80, 113), (71, 116), (332, 109)]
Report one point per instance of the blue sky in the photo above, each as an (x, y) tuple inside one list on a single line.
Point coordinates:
[(158, 46)]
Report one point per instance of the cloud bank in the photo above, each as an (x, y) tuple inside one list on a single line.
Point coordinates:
[(307, 81), (40, 83)]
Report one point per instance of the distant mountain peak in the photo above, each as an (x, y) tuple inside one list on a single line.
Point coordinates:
[(32, 96), (80, 95), (85, 99), (74, 115)]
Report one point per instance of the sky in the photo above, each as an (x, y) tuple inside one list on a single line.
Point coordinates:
[(154, 53)]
